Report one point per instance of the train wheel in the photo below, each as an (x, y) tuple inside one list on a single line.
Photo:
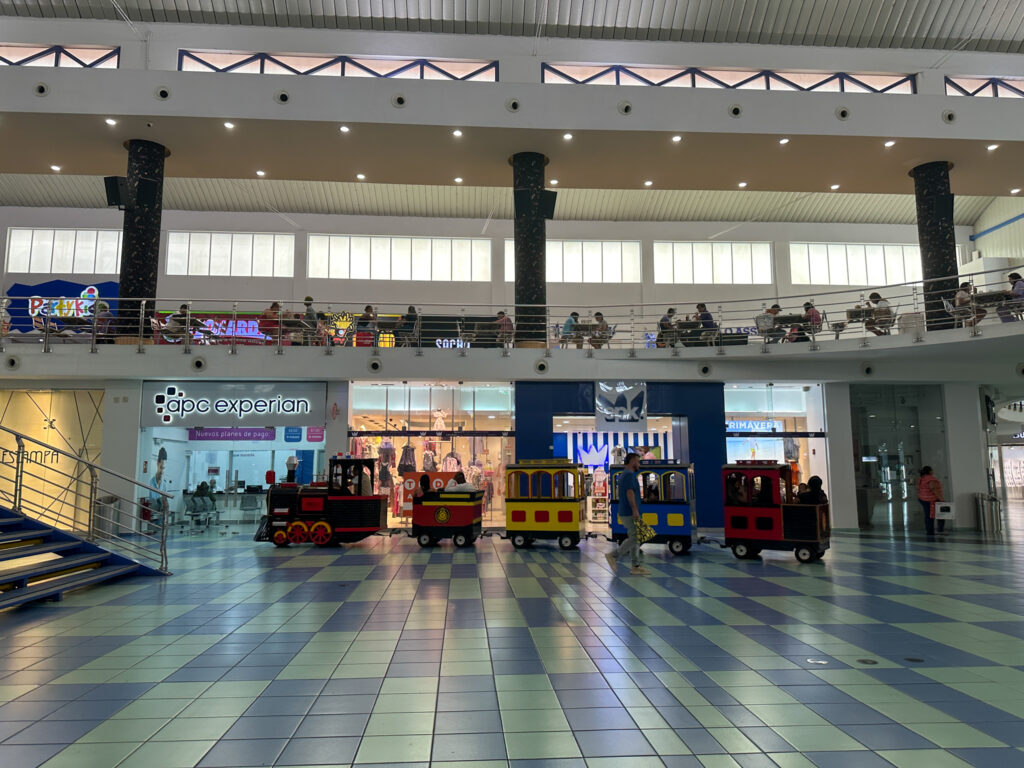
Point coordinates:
[(321, 534), (461, 540), (566, 542), (298, 532), (679, 546), (280, 538), (742, 551), (425, 540), (519, 541), (805, 554)]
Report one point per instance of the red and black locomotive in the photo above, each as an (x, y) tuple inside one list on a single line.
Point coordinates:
[(342, 510)]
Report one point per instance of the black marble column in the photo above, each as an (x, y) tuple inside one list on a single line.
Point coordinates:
[(530, 248), (140, 241), (937, 237)]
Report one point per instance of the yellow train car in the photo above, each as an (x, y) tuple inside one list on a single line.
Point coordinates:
[(545, 499)]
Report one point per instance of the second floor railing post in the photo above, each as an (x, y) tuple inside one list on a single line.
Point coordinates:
[(19, 472), (46, 330), (142, 321), (632, 332), (187, 349), (95, 321), (91, 509), (280, 330), (547, 331), (5, 321), (721, 332), (234, 329)]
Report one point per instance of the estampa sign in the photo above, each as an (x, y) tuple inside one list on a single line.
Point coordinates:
[(210, 404), (620, 406)]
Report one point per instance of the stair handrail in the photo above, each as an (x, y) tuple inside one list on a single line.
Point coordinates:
[(139, 523)]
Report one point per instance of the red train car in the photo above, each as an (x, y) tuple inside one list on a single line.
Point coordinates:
[(762, 512), (342, 510), (444, 515)]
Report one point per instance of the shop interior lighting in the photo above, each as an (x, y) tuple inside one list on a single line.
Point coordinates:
[(110, 121)]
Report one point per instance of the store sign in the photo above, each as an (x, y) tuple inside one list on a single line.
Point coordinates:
[(214, 404), (293, 434), (745, 425), (62, 307), (314, 434), (594, 456), (620, 406), (451, 344), (232, 433), (77, 301)]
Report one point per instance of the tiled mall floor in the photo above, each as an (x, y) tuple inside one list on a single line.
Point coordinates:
[(887, 653)]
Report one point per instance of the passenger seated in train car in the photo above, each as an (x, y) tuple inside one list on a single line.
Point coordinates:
[(763, 491), (361, 485), (813, 494), (423, 489), (802, 488), (651, 495), (736, 491), (461, 485)]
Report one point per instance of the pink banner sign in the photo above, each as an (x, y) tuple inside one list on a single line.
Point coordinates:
[(314, 434), (233, 433)]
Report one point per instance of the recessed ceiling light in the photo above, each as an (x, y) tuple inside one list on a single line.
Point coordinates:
[(567, 136), (554, 183), (890, 143), (361, 176), (110, 121), (344, 129), (1015, 191), (458, 179), (992, 147), (677, 139), (834, 187), (261, 174), (648, 183), (456, 133), (229, 126), (742, 185), (55, 168), (783, 141)]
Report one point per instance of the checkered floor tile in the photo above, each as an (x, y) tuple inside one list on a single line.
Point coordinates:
[(887, 653)]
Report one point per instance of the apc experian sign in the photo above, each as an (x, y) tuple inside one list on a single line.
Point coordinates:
[(234, 404)]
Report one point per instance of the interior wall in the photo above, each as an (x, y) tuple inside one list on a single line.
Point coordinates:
[(454, 296)]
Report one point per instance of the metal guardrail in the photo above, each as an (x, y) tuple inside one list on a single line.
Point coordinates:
[(909, 308), (82, 501)]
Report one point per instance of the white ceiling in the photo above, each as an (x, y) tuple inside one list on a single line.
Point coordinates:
[(446, 201), (974, 25)]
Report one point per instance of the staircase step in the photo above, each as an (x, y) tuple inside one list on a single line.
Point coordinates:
[(51, 566), (31, 533), (13, 553), (59, 586)]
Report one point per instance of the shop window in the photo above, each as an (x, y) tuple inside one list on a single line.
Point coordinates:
[(737, 492)]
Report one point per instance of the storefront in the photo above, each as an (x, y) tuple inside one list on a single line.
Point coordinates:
[(442, 426), (228, 436)]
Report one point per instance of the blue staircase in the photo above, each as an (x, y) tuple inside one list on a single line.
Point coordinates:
[(73, 563)]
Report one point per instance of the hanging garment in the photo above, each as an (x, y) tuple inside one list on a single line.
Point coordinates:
[(439, 416), (387, 452), (452, 462), (475, 475), (369, 450), (407, 463), (385, 480), (429, 464)]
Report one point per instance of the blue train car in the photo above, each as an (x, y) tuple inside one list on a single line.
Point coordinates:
[(668, 505)]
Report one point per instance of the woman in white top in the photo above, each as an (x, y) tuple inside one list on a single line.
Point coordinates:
[(965, 298)]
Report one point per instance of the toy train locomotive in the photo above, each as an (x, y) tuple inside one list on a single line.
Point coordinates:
[(762, 512), (342, 510), (668, 505)]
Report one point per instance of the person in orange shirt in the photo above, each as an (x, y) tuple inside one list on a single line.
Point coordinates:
[(929, 491)]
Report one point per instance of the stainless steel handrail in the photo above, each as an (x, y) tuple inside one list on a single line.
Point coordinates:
[(74, 501)]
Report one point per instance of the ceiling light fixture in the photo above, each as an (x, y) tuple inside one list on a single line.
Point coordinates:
[(648, 183), (834, 187), (361, 176), (456, 133), (992, 147), (458, 179), (110, 121), (261, 174), (677, 139), (554, 183), (890, 143), (567, 136), (229, 126), (783, 141), (1015, 191), (742, 185), (55, 168), (344, 129)]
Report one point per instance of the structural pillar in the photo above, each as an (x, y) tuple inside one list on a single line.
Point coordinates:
[(937, 238), (140, 241), (530, 249)]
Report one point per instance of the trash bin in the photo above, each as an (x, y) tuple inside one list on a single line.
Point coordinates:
[(107, 516), (990, 519)]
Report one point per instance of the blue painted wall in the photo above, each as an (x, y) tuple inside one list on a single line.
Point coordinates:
[(703, 404)]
